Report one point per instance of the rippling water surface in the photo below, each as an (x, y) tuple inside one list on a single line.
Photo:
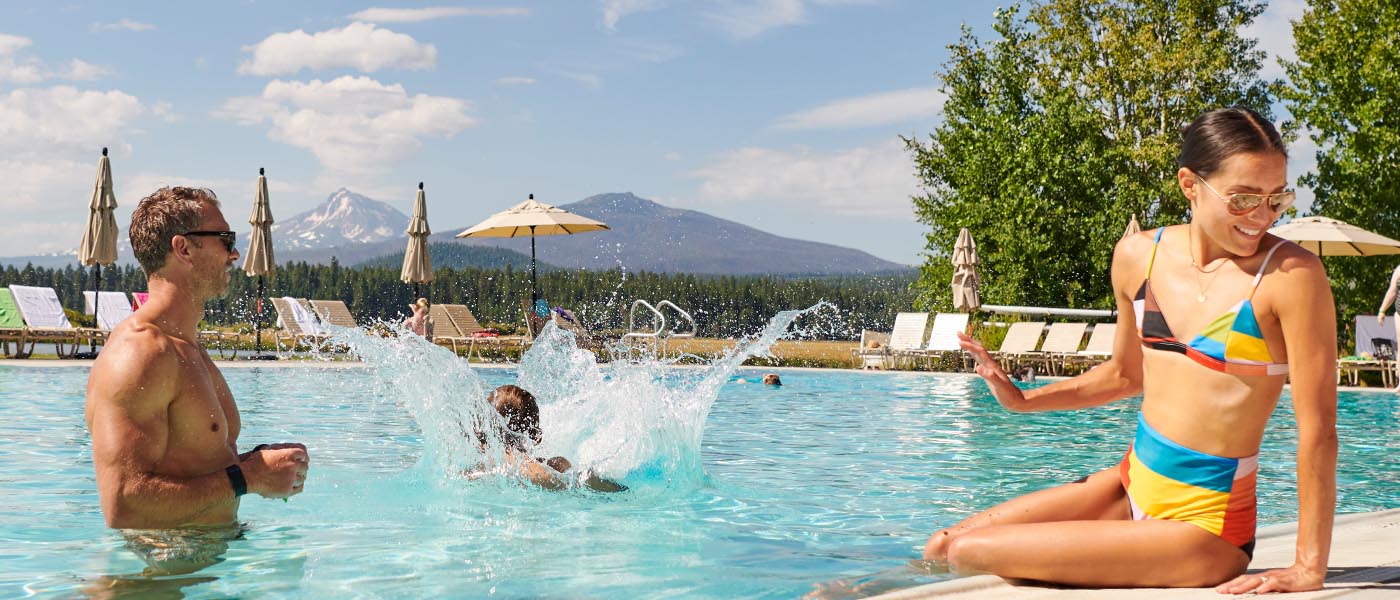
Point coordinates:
[(830, 483)]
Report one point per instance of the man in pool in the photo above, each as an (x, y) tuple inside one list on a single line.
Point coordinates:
[(522, 414), (164, 425)]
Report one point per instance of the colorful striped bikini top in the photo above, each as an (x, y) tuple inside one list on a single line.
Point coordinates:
[(1232, 343)]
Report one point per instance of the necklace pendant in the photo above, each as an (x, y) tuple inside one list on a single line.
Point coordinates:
[(1200, 297)]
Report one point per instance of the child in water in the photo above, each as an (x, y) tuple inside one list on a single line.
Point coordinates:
[(522, 415)]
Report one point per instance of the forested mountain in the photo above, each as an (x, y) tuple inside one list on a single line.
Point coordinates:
[(723, 306)]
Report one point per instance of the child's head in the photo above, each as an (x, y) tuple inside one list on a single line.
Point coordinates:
[(521, 412)]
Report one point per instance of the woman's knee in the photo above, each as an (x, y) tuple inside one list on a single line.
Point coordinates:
[(970, 553), (937, 546)]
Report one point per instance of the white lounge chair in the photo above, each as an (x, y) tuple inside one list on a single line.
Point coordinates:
[(1020, 344), (907, 336), (1061, 342), (44, 320), (873, 351), (943, 337), (1100, 346)]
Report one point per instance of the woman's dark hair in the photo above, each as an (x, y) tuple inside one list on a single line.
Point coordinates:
[(1224, 132)]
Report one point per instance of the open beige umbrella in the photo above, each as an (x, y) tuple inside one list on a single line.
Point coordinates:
[(417, 264), (1133, 227), (1329, 237), (99, 245), (532, 218), (966, 285), (259, 261)]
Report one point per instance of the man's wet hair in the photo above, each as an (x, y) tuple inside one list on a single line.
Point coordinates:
[(521, 412), (161, 216)]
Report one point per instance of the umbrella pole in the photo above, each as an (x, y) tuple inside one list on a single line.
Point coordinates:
[(534, 283), (257, 321), (415, 291), (96, 318)]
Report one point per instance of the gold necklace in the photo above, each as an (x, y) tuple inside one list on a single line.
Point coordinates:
[(1191, 250)]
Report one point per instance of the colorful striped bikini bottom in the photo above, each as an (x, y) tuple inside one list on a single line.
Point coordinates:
[(1166, 480)]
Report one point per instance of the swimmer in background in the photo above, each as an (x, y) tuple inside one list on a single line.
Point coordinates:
[(522, 414), (773, 380)]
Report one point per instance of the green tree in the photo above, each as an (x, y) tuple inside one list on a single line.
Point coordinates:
[(1059, 130), (1344, 94)]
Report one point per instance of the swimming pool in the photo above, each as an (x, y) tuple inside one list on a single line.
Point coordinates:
[(834, 475)]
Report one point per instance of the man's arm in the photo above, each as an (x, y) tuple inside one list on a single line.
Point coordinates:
[(129, 397)]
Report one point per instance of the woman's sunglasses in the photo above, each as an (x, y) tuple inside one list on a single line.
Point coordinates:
[(1243, 204), (229, 238)]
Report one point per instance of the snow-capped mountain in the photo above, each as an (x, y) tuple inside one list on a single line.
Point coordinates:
[(345, 218)]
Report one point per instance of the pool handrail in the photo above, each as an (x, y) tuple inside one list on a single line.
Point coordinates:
[(631, 320), (684, 315)]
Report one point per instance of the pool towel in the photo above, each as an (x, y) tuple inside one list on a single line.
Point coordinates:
[(303, 317), (40, 307), (114, 308), (9, 313), (139, 298)]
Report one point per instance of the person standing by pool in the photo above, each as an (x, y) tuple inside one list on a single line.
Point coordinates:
[(164, 425), (1380, 316), (1179, 511)]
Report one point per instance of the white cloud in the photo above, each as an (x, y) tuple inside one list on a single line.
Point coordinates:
[(350, 123), (360, 46), (748, 19), (876, 109), (588, 79), (515, 81), (415, 15), (166, 111), (614, 10), (123, 25), (63, 119), (1302, 159), (871, 181), (83, 71), (11, 43), (23, 70), (1274, 30), (671, 156)]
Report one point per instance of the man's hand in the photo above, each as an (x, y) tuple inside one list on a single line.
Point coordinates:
[(1293, 579), (276, 470)]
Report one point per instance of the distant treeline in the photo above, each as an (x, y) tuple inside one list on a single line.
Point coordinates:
[(723, 306)]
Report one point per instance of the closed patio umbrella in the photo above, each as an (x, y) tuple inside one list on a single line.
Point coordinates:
[(532, 218), (417, 262), (966, 284), (99, 245), (1132, 228), (1329, 237), (259, 261)]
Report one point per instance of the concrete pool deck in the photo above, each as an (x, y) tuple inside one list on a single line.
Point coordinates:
[(1365, 564)]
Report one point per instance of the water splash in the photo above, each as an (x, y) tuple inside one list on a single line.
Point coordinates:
[(639, 418)]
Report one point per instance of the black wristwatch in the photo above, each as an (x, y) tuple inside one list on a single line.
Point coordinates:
[(235, 477)]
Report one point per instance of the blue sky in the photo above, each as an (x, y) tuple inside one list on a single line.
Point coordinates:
[(782, 114)]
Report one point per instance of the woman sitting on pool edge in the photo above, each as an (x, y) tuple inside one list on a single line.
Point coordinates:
[(522, 414), (1212, 315)]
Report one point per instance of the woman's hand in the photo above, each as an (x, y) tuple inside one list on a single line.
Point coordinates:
[(1293, 579), (1003, 388)]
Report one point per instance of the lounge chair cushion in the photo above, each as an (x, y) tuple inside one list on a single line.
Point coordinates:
[(9, 312)]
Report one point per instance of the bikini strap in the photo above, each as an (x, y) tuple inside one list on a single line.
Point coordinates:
[(1153, 258), (1262, 267)]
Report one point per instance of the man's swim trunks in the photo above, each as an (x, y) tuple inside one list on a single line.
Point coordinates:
[(1166, 480)]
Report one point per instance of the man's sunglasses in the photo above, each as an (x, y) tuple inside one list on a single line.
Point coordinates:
[(229, 238), (1243, 204)]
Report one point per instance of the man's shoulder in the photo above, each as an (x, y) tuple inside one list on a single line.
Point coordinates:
[(137, 345)]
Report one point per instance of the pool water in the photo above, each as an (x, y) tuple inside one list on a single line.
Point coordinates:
[(830, 483)]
